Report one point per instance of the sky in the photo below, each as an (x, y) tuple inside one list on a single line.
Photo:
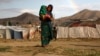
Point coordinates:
[(62, 8)]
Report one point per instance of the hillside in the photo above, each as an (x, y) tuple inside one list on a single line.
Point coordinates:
[(24, 18), (81, 17)]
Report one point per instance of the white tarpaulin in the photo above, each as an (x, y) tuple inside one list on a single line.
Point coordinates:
[(78, 32), (91, 32), (62, 32), (72, 32)]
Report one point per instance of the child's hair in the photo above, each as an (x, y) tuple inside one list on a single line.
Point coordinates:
[(43, 10)]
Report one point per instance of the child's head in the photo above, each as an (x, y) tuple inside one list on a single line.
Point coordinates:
[(43, 9)]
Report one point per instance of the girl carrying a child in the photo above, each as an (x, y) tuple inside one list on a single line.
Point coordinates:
[(46, 18)]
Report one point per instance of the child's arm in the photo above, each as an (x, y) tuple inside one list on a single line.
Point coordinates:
[(43, 16)]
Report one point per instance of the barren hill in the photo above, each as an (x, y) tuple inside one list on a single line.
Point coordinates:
[(80, 17), (21, 19)]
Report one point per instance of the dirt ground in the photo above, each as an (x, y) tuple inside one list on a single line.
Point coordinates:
[(59, 47)]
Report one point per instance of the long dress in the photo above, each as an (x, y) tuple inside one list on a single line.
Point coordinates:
[(46, 31)]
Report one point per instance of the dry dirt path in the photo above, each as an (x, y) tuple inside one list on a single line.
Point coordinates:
[(60, 47)]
